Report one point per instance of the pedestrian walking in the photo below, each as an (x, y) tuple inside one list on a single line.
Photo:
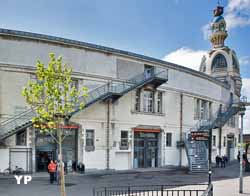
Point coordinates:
[(56, 173), (217, 160), (52, 170), (223, 162)]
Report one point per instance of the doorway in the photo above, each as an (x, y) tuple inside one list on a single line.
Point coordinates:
[(145, 150), (43, 159)]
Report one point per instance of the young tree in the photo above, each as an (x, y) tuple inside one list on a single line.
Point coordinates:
[(54, 98)]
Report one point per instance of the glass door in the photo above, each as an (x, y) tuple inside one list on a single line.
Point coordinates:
[(145, 150)]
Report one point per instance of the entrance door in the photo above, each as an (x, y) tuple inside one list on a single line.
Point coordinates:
[(43, 158), (145, 149), (230, 148)]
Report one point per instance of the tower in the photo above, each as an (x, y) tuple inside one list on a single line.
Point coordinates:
[(221, 61)]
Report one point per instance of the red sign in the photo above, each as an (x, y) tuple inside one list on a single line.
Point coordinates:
[(200, 135)]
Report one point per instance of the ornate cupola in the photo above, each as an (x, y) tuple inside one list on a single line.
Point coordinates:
[(218, 27), (221, 61)]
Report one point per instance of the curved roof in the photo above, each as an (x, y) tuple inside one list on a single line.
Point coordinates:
[(64, 41)]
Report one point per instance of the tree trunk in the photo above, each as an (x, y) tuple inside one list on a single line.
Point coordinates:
[(62, 177)]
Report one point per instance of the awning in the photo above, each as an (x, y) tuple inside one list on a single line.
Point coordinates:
[(147, 129)]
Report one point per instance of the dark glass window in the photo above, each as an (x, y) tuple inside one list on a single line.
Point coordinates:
[(148, 101), (214, 140), (168, 139), (124, 140), (137, 100), (21, 139), (235, 63), (159, 102), (219, 62), (90, 136)]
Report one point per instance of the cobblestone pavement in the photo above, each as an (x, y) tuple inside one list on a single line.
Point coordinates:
[(225, 182)]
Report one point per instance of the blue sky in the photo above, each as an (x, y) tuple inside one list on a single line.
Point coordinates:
[(165, 29)]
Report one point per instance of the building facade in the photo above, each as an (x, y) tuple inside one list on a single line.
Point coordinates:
[(142, 128)]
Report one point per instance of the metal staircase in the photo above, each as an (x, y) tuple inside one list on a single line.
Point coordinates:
[(112, 90), (197, 151)]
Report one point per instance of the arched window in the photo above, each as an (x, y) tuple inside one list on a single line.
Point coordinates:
[(219, 62), (235, 63)]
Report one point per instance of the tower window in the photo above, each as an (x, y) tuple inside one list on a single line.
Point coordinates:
[(219, 62), (235, 63)]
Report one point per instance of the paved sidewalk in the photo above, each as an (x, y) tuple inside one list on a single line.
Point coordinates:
[(231, 187)]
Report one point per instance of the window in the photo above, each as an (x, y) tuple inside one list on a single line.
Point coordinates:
[(235, 64), (148, 101), (74, 84), (21, 139), (90, 135), (210, 110), (219, 62), (137, 100), (224, 141), (159, 102), (124, 140), (169, 139), (202, 109), (196, 109), (214, 140), (148, 71)]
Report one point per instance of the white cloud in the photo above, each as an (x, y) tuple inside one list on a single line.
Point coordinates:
[(186, 57), (245, 60), (206, 29), (246, 92), (237, 14), (191, 58)]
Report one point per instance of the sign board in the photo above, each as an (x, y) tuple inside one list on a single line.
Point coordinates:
[(200, 135)]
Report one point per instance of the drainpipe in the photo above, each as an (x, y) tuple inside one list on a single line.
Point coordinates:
[(181, 126), (220, 138), (220, 133), (108, 135)]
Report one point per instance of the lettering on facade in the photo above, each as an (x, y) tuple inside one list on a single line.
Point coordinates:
[(199, 135)]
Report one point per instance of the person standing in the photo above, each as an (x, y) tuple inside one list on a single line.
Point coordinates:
[(52, 170)]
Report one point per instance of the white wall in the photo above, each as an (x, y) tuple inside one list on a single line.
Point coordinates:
[(4, 163)]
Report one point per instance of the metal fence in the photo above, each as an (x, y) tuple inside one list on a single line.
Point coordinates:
[(156, 190)]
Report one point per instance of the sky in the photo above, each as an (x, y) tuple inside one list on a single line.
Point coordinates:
[(172, 30)]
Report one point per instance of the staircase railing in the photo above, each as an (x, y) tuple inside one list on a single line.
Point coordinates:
[(100, 93), (220, 117)]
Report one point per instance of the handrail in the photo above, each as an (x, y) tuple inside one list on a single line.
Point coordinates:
[(15, 116), (99, 93)]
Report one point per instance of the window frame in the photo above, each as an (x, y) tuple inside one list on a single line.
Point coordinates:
[(159, 102), (21, 138), (126, 139), (169, 139), (148, 101), (90, 147), (214, 140)]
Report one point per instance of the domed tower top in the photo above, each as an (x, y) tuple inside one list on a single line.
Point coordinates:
[(218, 27), (221, 62)]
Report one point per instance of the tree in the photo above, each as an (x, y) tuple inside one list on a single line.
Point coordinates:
[(53, 97)]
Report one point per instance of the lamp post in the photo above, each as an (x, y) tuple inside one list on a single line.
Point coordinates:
[(242, 113), (210, 156)]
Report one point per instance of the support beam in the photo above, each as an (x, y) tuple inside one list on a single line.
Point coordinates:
[(181, 127), (241, 152)]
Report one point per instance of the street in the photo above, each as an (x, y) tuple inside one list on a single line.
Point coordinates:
[(225, 181)]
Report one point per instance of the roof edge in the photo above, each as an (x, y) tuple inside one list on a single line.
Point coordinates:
[(55, 39)]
